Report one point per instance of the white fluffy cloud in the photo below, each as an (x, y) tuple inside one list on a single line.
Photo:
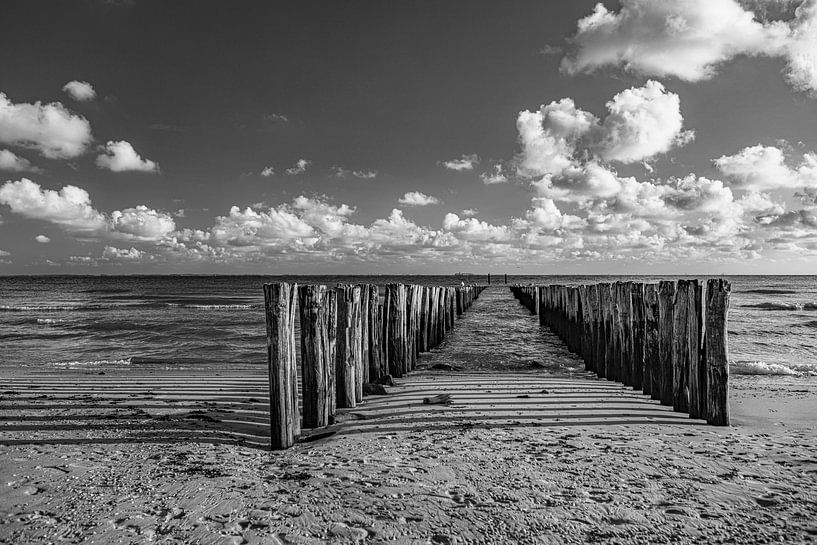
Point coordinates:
[(301, 166), (642, 122), (691, 38), (417, 198), (764, 168), (15, 163), (465, 162), (51, 129), (42, 239), (267, 172), (494, 176), (71, 208), (81, 91), (120, 157)]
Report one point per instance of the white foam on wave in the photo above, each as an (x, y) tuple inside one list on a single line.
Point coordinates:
[(214, 307), (763, 368), (36, 308), (50, 321), (91, 363)]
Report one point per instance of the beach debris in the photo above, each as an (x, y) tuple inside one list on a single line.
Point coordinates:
[(445, 367), (317, 436), (385, 380), (370, 389), (441, 399)]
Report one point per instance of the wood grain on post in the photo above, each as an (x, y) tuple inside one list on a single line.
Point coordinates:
[(375, 323), (637, 324), (716, 352), (345, 364), (652, 374), (697, 377), (666, 301), (396, 329), (279, 308), (680, 346), (365, 314), (317, 360)]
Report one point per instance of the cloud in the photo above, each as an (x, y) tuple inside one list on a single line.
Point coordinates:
[(465, 162), (71, 208), (301, 165), (277, 118), (42, 239), (142, 223), (340, 172), (121, 157), (642, 122), (14, 163), (764, 168), (81, 91), (364, 174), (110, 253), (50, 129), (268, 171), (494, 176), (4, 253), (468, 212), (416, 198), (691, 39)]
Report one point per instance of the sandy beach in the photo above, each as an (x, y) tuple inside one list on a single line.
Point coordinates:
[(167, 457)]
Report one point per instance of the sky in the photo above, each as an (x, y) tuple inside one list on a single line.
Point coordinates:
[(349, 137)]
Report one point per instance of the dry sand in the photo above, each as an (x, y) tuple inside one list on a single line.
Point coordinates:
[(136, 456)]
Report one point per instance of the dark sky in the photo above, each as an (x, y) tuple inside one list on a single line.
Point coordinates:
[(215, 92)]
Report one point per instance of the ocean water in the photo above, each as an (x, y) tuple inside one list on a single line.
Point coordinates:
[(98, 321)]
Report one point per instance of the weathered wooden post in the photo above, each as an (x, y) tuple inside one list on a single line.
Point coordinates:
[(376, 365), (365, 293), (680, 347), (317, 354), (652, 373), (697, 371), (666, 300), (348, 346), (279, 309), (396, 329), (637, 324), (716, 352)]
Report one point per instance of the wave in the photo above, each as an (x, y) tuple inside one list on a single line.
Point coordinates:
[(772, 291), (91, 363), (50, 321), (37, 308), (214, 306), (748, 367), (812, 323), (782, 306)]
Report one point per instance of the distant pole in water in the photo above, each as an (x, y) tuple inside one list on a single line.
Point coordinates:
[(489, 279), (506, 278)]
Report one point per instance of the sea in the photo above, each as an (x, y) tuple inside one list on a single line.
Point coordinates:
[(185, 320)]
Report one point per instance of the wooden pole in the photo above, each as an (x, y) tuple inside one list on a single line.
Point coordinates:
[(279, 308), (716, 352), (396, 329), (317, 358), (682, 332), (652, 369), (666, 300), (637, 346), (346, 357), (365, 294), (375, 323)]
